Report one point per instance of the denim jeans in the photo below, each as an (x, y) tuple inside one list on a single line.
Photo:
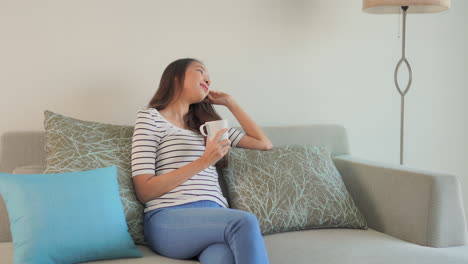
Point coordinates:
[(205, 231)]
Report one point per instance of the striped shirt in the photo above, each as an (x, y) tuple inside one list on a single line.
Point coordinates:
[(159, 147)]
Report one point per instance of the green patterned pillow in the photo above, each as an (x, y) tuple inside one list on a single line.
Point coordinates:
[(291, 187), (76, 145)]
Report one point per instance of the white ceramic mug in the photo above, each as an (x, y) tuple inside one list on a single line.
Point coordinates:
[(213, 127)]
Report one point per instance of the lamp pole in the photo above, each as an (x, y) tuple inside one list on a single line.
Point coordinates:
[(403, 93)]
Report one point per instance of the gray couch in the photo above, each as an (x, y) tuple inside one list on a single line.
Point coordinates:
[(414, 215)]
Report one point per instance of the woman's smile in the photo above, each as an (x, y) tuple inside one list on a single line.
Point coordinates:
[(205, 87)]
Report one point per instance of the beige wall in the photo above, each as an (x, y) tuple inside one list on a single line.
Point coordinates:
[(286, 62)]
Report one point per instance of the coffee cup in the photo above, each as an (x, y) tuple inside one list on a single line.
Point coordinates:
[(212, 127)]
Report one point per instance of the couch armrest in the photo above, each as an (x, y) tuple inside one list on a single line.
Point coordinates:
[(414, 205)]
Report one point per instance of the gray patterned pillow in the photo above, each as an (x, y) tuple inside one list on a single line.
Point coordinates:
[(291, 187), (76, 145)]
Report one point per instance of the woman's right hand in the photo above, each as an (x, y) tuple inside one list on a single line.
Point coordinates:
[(215, 150)]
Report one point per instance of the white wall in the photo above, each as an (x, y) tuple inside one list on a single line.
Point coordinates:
[(286, 62)]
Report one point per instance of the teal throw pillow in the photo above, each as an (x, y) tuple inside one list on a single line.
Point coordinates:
[(67, 217)]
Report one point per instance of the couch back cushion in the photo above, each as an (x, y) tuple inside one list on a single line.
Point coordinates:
[(332, 137), (28, 148)]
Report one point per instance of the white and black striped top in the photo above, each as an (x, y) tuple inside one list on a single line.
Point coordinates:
[(159, 147)]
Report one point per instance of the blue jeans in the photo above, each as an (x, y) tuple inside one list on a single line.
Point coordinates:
[(207, 231)]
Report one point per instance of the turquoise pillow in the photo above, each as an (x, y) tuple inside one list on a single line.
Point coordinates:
[(66, 217)]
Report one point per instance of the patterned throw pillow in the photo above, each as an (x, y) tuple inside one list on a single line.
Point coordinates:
[(291, 187), (76, 145)]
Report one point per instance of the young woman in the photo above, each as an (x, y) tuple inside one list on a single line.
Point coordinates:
[(174, 173)]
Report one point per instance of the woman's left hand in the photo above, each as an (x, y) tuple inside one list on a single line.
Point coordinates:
[(219, 98)]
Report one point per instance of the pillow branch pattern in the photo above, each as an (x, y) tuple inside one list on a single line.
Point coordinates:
[(291, 187), (75, 145)]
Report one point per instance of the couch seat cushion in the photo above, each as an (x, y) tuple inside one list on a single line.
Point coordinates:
[(343, 246), (321, 246), (6, 257)]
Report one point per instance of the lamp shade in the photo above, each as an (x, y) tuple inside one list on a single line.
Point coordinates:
[(414, 6)]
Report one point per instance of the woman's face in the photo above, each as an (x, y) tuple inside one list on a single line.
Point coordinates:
[(197, 83)]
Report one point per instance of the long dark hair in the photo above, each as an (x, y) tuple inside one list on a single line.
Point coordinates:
[(171, 84)]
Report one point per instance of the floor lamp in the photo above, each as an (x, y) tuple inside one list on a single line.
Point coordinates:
[(406, 6)]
